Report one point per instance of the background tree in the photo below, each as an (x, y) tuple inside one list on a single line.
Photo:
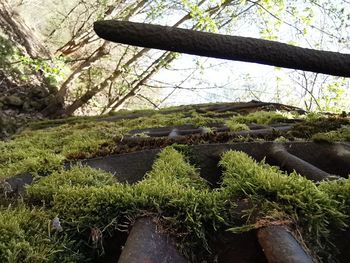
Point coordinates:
[(100, 77)]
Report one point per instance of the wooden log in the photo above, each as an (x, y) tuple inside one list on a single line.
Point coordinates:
[(224, 46)]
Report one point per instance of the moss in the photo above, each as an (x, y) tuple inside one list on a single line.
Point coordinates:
[(26, 236), (313, 125), (341, 134), (293, 195), (261, 117), (173, 190), (281, 139), (37, 125), (339, 190), (77, 176), (42, 152), (235, 126), (85, 198)]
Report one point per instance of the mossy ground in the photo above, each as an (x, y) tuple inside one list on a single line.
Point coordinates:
[(85, 200)]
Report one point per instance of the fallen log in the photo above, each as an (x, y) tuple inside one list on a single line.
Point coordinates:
[(224, 46)]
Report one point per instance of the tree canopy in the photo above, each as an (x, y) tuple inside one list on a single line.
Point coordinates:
[(55, 43)]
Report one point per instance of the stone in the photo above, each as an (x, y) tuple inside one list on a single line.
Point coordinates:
[(48, 100), (36, 105), (39, 92), (26, 106), (14, 101)]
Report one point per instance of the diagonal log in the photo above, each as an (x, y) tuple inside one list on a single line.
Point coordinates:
[(224, 46)]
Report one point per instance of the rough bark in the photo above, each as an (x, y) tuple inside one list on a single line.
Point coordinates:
[(224, 46), (19, 33)]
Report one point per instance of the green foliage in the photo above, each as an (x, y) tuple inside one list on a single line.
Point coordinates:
[(6, 52), (22, 67), (52, 70), (333, 98), (203, 18)]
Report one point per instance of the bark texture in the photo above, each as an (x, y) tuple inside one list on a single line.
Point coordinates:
[(224, 46)]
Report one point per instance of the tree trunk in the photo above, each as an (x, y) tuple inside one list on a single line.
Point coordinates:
[(54, 109), (224, 46), (76, 43), (19, 33), (90, 93)]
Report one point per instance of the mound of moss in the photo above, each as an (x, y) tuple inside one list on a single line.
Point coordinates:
[(56, 218), (83, 199)]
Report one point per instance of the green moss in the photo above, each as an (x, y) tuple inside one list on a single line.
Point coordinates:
[(84, 198), (37, 125), (26, 236), (235, 126), (281, 139), (77, 176), (43, 151), (311, 126), (293, 195), (172, 119), (340, 191), (261, 117), (341, 134), (173, 190)]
